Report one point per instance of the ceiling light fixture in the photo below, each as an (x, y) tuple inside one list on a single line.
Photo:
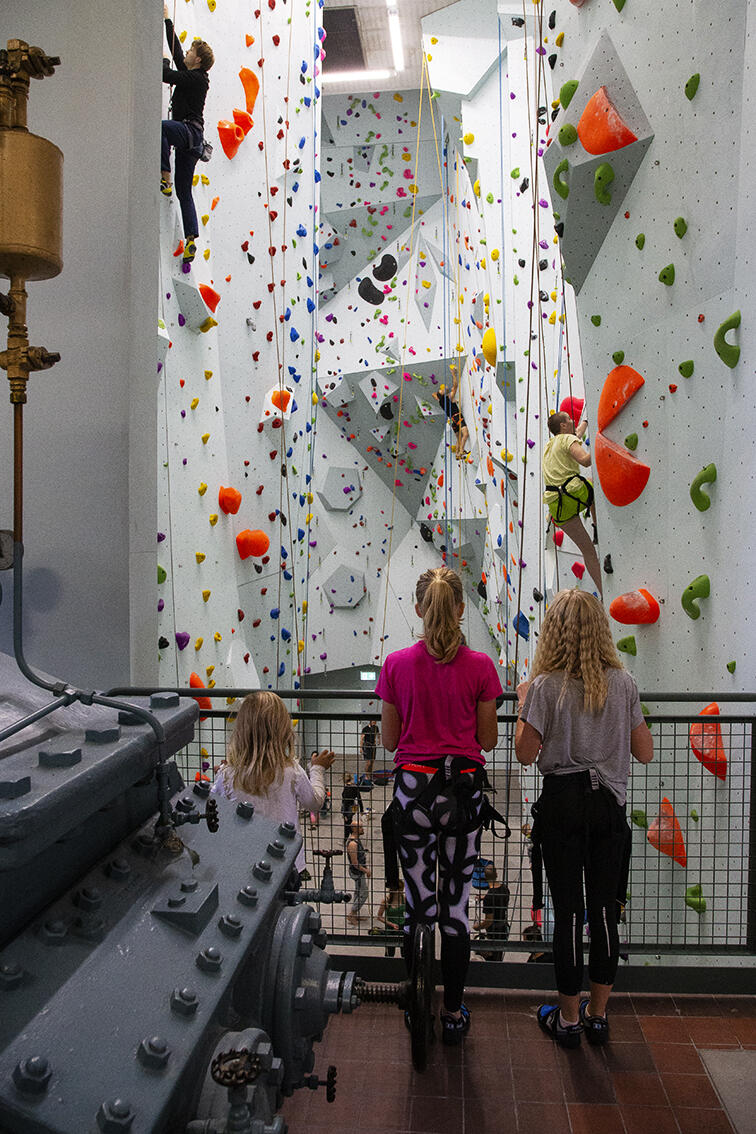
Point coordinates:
[(354, 76), (396, 35)]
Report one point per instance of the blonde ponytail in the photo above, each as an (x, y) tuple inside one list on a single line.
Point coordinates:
[(439, 595)]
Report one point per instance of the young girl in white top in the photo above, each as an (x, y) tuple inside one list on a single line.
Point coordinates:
[(261, 767)]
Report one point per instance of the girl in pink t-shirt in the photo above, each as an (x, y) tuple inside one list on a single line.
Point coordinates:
[(439, 710)]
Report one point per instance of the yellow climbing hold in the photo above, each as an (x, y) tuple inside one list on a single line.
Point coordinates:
[(202, 489), (468, 139), (482, 261), (198, 643), (426, 283), (434, 40), (194, 403), (213, 519), (552, 318), (208, 375), (315, 399), (199, 556), (217, 637), (211, 684), (206, 595), (308, 518), (209, 669), (211, 5), (506, 456), (195, 179), (208, 324), (182, 36), (559, 39), (300, 645), (304, 606), (398, 98), (205, 438), (206, 253), (488, 346), (204, 179), (407, 157), (494, 254)]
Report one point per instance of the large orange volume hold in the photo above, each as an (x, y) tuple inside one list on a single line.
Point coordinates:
[(635, 608), (706, 742), (601, 128), (665, 834), (619, 387), (231, 137), (203, 702), (251, 85), (622, 476)]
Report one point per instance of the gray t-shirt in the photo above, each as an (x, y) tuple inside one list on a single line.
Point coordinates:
[(574, 739)]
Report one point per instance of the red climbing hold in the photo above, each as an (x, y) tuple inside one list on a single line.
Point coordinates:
[(557, 535), (229, 500), (601, 128), (623, 477), (243, 119), (578, 570), (635, 608), (706, 742), (281, 399), (251, 543), (210, 296), (203, 702), (620, 385), (251, 84), (665, 834), (574, 407), (231, 137)]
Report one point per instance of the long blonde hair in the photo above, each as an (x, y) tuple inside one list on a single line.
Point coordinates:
[(439, 594), (576, 637), (262, 743)]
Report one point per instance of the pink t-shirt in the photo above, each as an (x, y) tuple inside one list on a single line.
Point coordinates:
[(437, 703)]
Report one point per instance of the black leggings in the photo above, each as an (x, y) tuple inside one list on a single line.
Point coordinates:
[(438, 839), (583, 833)]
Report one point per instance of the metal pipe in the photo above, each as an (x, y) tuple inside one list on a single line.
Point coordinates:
[(45, 711)]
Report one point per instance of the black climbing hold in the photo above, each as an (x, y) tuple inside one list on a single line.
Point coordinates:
[(555, 114), (559, 228), (482, 589), (543, 265), (426, 533), (163, 643), (537, 596), (518, 22), (552, 61), (522, 263), (543, 296), (386, 412), (608, 565), (524, 184), (369, 292), (386, 269), (552, 20), (258, 568)]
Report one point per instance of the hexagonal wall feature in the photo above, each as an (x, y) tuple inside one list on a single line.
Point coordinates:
[(345, 587), (341, 489)]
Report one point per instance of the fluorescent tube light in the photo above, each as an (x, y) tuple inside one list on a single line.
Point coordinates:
[(354, 76), (396, 35)]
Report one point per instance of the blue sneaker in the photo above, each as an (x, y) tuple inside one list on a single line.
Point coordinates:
[(454, 1029), (549, 1022)]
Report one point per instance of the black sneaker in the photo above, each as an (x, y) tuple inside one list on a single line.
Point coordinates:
[(596, 1028), (549, 1022), (453, 1029)]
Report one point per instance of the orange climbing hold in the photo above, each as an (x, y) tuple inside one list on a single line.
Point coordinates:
[(706, 742), (601, 128), (251, 84), (203, 702), (229, 500), (281, 399), (231, 137), (622, 476), (244, 119), (635, 608), (620, 385), (251, 543), (210, 296), (250, 39), (665, 834)]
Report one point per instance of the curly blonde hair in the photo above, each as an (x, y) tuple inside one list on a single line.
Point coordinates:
[(576, 638), (262, 743), (439, 594)]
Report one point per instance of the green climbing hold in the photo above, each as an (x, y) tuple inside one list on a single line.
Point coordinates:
[(686, 368), (695, 899), (561, 187), (567, 91), (627, 645), (515, 173), (728, 352), (681, 227), (667, 275), (162, 575), (694, 815), (490, 198), (692, 86), (645, 710), (568, 135), (639, 818), (731, 666), (602, 179), (619, 5), (640, 240), (596, 320), (618, 357), (706, 476), (631, 441), (700, 588)]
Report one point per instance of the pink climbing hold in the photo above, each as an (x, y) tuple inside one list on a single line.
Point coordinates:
[(229, 500)]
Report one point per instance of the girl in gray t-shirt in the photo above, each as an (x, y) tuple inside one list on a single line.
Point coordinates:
[(580, 718)]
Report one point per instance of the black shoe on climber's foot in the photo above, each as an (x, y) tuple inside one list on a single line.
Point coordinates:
[(549, 1021), (190, 250), (454, 1029), (595, 534), (596, 1028), (165, 187)]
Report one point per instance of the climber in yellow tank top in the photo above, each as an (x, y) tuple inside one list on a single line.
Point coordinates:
[(566, 490)]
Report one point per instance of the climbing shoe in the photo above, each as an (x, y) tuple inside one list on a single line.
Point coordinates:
[(165, 187), (549, 1022), (453, 1029), (190, 250), (596, 1028), (595, 534)]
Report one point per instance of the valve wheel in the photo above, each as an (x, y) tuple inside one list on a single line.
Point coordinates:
[(235, 1068)]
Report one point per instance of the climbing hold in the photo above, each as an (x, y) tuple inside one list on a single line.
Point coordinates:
[(667, 275), (631, 441), (521, 626), (182, 639), (731, 666), (281, 399), (694, 895), (601, 128), (558, 536), (488, 346), (206, 595), (386, 269), (692, 86), (208, 325), (619, 5), (622, 476), (621, 384), (578, 570), (161, 574), (202, 489), (204, 702), (638, 816), (252, 543), (229, 500), (618, 357), (231, 137), (210, 296), (251, 84), (163, 642), (596, 320), (602, 178), (694, 815), (568, 135), (627, 645), (608, 568), (728, 352), (213, 519), (243, 119), (199, 556), (468, 139), (574, 407), (640, 240), (699, 589), (561, 187), (706, 742), (686, 368), (635, 608), (707, 475), (681, 227), (665, 835), (566, 94), (369, 292)]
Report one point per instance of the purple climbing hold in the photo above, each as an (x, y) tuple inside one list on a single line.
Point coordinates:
[(182, 639), (181, 320)]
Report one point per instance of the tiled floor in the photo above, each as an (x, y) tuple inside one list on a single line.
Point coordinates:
[(509, 1077)]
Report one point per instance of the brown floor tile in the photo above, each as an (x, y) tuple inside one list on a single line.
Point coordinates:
[(586, 1119), (649, 1120), (524, 1001), (483, 1081), (625, 1029), (531, 1085), (383, 1112), (652, 1004), (705, 1030), (621, 1004), (665, 1029), (690, 1090), (697, 1005), (585, 1078), (677, 1058), (483, 1051), (536, 1052), (435, 1116), (744, 1028), (535, 1118), (442, 1078), (633, 1056), (521, 1025), (630, 1086), (703, 1122), (737, 1005), (490, 1116)]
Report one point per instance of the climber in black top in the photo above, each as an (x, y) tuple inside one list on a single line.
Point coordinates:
[(184, 129), (450, 406)]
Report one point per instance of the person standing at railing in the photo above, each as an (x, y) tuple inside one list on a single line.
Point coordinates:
[(580, 717), (262, 769), (350, 801), (439, 711), (359, 871)]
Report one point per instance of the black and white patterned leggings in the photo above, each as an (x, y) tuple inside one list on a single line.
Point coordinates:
[(438, 841)]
